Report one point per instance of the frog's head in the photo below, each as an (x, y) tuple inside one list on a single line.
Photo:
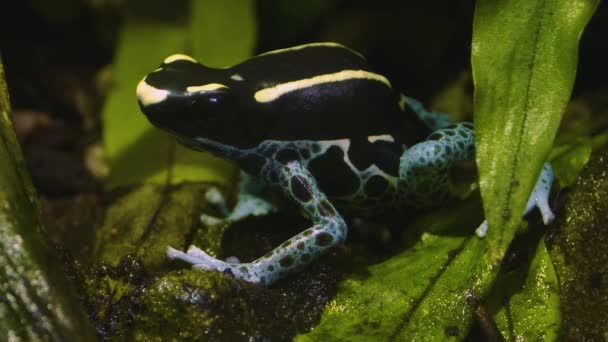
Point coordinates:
[(189, 100)]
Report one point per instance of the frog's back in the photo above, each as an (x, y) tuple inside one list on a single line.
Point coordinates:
[(322, 91)]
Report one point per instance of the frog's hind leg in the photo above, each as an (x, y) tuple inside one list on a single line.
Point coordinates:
[(423, 168), (433, 120), (328, 230)]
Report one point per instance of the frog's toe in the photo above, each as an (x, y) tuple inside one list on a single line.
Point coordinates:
[(482, 230), (190, 257), (197, 253), (200, 260), (540, 195), (548, 216), (208, 220)]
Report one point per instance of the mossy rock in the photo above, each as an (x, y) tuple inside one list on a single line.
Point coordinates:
[(191, 305)]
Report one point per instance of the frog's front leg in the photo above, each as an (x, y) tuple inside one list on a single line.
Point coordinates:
[(328, 230), (249, 203), (423, 171), (539, 198), (433, 120), (423, 168)]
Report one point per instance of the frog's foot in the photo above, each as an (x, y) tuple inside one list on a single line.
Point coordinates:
[(248, 204), (328, 230), (194, 255), (433, 120), (539, 198)]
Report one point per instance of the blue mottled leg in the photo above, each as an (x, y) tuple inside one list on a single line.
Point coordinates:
[(328, 230), (540, 195), (433, 120), (539, 198), (423, 168)]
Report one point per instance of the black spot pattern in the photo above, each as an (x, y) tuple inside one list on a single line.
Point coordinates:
[(324, 239), (286, 261), (325, 209), (375, 186), (286, 155), (361, 153), (334, 177), (305, 153), (387, 155), (299, 190), (252, 163)]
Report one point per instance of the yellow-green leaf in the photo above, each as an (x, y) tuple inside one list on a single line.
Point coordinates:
[(215, 33), (527, 298), (425, 293), (524, 55), (165, 208)]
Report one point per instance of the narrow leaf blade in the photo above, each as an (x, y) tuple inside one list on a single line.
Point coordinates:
[(524, 56)]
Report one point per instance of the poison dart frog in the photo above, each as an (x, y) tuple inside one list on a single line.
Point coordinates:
[(318, 124)]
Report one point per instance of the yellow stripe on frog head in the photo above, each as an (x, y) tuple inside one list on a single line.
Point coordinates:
[(273, 93), (179, 57), (149, 95)]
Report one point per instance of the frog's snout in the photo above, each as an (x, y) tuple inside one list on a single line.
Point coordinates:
[(149, 95)]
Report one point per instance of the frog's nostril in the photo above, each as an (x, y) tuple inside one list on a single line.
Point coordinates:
[(149, 95)]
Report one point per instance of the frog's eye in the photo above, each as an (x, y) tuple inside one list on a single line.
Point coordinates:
[(209, 96), (210, 106)]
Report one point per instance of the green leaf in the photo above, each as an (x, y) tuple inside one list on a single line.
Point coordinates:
[(138, 152), (165, 207), (425, 293), (37, 302), (524, 55), (224, 32), (568, 160), (527, 298), (523, 75)]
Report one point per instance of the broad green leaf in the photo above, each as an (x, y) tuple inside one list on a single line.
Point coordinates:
[(36, 299), (145, 220), (568, 160), (528, 298), (138, 152), (524, 55), (427, 296), (223, 31), (425, 293)]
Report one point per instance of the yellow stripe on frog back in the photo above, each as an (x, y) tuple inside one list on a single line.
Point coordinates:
[(309, 45), (273, 93)]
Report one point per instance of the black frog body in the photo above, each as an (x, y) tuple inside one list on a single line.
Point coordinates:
[(320, 104)]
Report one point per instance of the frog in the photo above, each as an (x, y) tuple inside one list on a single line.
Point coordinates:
[(317, 124)]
